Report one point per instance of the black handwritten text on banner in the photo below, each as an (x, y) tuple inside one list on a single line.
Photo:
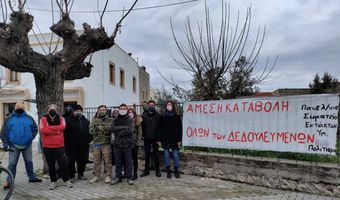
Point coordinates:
[(305, 123)]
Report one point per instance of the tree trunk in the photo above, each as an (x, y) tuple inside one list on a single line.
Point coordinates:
[(48, 92)]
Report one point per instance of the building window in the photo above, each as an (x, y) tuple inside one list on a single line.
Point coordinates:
[(122, 78), (134, 84), (13, 76), (112, 74)]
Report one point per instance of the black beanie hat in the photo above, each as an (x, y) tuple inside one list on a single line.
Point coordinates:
[(77, 107)]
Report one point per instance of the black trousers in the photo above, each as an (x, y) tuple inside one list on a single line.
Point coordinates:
[(113, 155), (79, 156), (123, 157), (52, 156), (148, 145), (134, 153)]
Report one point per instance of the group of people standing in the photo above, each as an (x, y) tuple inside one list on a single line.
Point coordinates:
[(114, 137), (126, 131)]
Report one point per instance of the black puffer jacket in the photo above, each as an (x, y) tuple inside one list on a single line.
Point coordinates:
[(151, 126), (171, 132), (122, 128), (76, 134)]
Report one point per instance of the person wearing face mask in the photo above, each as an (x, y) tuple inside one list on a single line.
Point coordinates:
[(137, 135), (145, 107), (115, 113), (145, 112), (100, 130), (171, 137), (68, 111), (123, 127), (150, 136), (52, 127), (77, 139), (17, 133)]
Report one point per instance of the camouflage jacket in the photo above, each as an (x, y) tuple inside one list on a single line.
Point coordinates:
[(100, 130)]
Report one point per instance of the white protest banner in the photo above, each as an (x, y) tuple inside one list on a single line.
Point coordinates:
[(305, 123)]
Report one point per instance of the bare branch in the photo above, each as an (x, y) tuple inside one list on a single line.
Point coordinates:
[(119, 24), (60, 6), (56, 46), (51, 39), (210, 58), (103, 12), (10, 6), (4, 13), (65, 7), (21, 5)]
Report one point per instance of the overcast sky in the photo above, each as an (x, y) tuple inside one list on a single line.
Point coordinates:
[(304, 33)]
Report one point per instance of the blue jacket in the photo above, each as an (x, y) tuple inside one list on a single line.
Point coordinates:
[(18, 129)]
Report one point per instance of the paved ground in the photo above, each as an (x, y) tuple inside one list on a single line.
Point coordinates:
[(187, 187)]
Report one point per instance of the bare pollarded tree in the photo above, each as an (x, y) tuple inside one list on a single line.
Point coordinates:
[(51, 70), (216, 59)]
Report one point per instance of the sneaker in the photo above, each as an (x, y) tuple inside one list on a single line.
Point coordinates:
[(116, 181), (124, 176), (94, 179), (69, 184), (7, 185), (35, 180), (145, 174), (108, 179), (130, 182), (82, 177), (52, 186), (158, 174)]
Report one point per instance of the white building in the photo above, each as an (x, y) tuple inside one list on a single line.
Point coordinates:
[(114, 80)]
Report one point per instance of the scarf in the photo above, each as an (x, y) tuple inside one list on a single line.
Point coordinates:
[(169, 113), (56, 121)]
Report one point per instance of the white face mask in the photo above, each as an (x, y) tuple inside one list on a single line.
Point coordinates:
[(122, 112), (131, 115), (169, 108)]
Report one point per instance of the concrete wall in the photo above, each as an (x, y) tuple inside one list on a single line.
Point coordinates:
[(308, 178)]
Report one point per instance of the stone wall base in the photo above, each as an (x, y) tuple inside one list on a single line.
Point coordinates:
[(322, 180)]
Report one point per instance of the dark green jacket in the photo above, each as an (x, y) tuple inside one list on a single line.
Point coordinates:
[(100, 130)]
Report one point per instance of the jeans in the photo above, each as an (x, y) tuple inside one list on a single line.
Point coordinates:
[(27, 155), (56, 154), (123, 155), (167, 157)]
